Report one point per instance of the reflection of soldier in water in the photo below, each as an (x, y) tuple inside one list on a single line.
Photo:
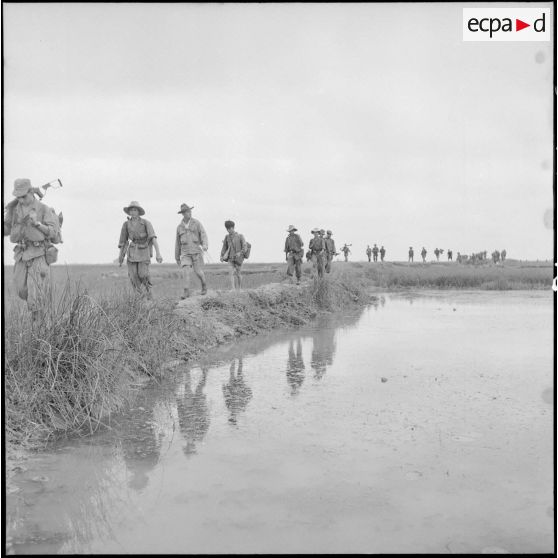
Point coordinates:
[(140, 444), (236, 392), (323, 349), (295, 367), (193, 413)]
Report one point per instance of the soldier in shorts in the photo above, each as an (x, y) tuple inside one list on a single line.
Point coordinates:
[(191, 243)]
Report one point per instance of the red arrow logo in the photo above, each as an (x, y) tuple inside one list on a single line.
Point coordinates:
[(519, 25)]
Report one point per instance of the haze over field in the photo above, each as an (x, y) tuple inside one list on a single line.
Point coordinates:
[(374, 120)]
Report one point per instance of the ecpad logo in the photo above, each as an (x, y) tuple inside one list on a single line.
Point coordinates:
[(506, 24)]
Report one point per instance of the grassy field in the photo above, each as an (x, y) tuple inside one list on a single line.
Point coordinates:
[(167, 283)]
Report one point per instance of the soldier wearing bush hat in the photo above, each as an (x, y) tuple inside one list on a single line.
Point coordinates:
[(317, 248), (330, 250), (191, 243), (294, 253), (32, 226), (137, 240)]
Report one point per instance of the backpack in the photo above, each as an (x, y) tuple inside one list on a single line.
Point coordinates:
[(57, 227), (247, 250)]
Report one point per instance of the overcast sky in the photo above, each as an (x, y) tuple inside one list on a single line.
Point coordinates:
[(374, 120)]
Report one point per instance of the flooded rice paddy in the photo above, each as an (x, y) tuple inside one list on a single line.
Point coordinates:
[(423, 424)]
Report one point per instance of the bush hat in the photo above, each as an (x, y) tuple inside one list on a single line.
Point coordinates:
[(21, 187), (184, 207), (322, 231), (137, 206), (315, 230), (329, 232), (291, 229)]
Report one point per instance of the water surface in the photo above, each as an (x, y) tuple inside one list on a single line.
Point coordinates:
[(423, 424)]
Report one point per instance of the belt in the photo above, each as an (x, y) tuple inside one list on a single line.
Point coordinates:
[(36, 243)]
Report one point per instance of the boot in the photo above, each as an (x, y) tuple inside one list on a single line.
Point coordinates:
[(186, 294), (204, 288)]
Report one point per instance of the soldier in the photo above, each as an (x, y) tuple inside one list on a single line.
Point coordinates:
[(32, 226), (294, 253), (330, 251), (375, 251), (437, 254), (411, 254), (495, 256), (382, 253), (191, 242), (450, 255), (346, 252), (233, 251), (458, 259), (423, 254), (503, 255), (368, 252), (318, 249), (137, 239)]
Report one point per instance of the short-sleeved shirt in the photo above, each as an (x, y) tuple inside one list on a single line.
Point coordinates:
[(140, 233), (317, 244), (190, 238), (18, 226), (293, 243), (329, 245)]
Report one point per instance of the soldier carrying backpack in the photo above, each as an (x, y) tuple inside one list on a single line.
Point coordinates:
[(34, 228), (234, 251)]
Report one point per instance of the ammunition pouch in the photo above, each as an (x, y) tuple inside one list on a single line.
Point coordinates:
[(51, 254)]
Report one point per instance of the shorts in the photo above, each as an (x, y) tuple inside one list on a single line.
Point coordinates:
[(191, 260)]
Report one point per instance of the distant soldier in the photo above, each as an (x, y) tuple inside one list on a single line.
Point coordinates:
[(32, 226), (458, 259), (503, 255), (382, 253), (137, 240), (233, 251), (294, 253), (423, 254), (191, 243), (450, 255), (330, 251), (437, 254), (375, 251), (346, 252), (369, 252), (495, 256), (318, 249), (411, 254)]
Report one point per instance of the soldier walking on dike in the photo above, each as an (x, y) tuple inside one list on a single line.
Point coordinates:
[(382, 252), (411, 254), (191, 242), (32, 226), (375, 251), (495, 256), (368, 252), (503, 255), (450, 255), (330, 251), (437, 254), (294, 253), (233, 251), (318, 248), (137, 239), (423, 253), (346, 252)]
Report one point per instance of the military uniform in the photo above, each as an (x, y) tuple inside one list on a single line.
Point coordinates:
[(346, 252), (139, 232), (411, 255), (330, 251), (317, 247), (31, 269), (423, 254), (369, 253), (375, 253), (294, 253), (382, 253)]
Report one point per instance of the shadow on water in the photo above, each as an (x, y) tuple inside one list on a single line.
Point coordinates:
[(236, 392)]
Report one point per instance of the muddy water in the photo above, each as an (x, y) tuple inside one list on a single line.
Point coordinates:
[(424, 424)]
